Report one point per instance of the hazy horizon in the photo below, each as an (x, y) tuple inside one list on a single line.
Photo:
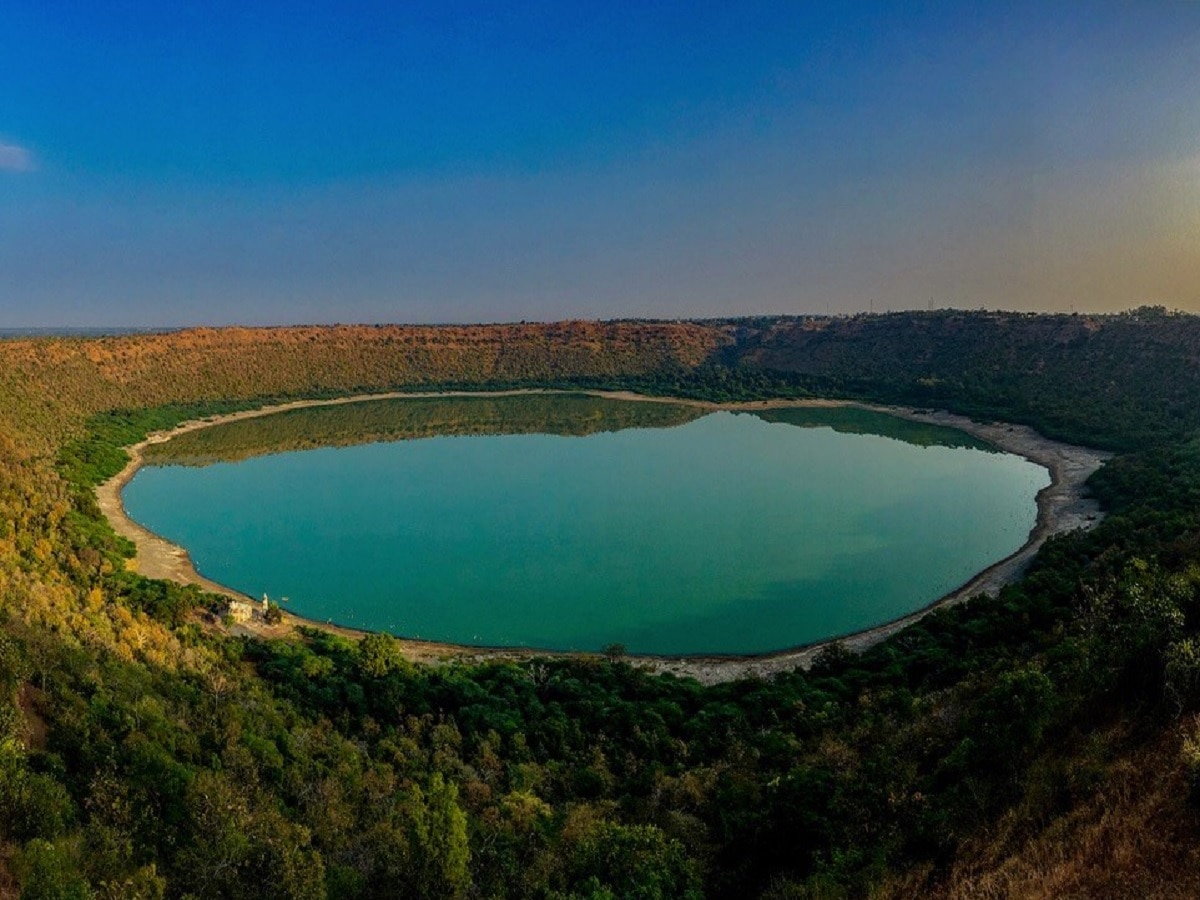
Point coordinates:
[(455, 163), (118, 329)]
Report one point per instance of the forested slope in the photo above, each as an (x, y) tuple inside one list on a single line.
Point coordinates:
[(1042, 740), (1109, 380)]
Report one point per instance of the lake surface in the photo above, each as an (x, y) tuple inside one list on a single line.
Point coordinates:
[(567, 522)]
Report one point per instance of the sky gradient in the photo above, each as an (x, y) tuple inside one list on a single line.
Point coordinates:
[(169, 164)]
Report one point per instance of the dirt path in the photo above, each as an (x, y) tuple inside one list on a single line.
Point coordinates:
[(1062, 507)]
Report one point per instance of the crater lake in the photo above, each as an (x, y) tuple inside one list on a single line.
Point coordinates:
[(575, 522)]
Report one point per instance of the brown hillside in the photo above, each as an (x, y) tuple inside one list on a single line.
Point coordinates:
[(49, 385)]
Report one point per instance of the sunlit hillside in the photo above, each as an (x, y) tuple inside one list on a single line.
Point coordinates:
[(48, 385)]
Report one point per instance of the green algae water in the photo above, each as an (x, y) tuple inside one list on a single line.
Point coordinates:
[(571, 522)]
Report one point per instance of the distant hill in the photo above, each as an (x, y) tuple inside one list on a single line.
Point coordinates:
[(1113, 380), (50, 384)]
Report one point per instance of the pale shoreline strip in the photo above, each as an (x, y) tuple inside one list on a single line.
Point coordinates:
[(1062, 506)]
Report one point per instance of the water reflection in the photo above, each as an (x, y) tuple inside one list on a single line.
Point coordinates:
[(378, 421)]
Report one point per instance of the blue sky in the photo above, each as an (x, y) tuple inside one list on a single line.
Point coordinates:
[(174, 163)]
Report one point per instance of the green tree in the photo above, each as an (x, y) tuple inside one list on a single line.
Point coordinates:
[(50, 872), (379, 655), (439, 841), (637, 862)]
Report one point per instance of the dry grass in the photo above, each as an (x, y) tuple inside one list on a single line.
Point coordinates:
[(1136, 837)]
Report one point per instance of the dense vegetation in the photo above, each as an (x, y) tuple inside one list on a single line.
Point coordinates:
[(1112, 381), (1043, 737)]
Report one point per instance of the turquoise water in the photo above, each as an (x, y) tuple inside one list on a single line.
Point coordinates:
[(725, 534)]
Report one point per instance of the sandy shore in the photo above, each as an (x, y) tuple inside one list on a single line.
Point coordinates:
[(1062, 507)]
